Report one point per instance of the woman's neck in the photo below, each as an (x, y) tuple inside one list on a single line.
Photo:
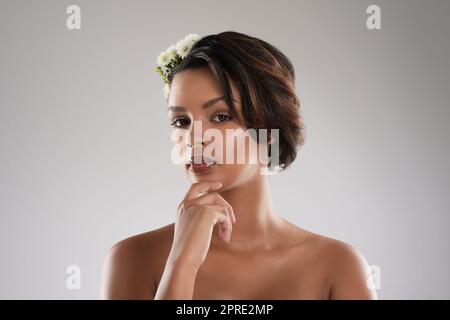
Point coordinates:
[(256, 219)]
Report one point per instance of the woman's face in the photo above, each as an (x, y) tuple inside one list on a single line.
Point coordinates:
[(190, 91)]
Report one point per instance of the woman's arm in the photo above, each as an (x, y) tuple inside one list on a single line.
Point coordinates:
[(177, 282)]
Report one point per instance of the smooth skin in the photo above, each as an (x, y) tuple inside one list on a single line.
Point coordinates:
[(228, 241)]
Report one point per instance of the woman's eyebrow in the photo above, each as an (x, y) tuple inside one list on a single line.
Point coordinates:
[(207, 104)]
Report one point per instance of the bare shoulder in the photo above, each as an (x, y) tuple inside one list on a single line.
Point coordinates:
[(132, 264), (345, 266), (349, 272), (140, 244)]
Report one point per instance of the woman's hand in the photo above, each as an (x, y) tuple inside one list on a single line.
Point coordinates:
[(201, 209)]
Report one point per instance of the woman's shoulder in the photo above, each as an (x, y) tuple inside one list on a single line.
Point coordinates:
[(333, 249), (343, 263), (349, 271), (144, 248), (132, 264), (155, 237)]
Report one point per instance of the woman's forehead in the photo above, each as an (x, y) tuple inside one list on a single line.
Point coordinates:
[(197, 87)]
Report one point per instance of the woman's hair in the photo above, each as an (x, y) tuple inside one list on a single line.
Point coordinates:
[(265, 79)]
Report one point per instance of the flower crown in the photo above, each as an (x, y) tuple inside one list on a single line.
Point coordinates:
[(172, 56)]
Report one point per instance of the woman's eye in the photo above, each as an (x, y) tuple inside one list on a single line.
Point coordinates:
[(222, 118), (180, 122), (183, 122)]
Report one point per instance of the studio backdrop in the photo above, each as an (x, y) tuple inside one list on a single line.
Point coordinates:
[(85, 140)]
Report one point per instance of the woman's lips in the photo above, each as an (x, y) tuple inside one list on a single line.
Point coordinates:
[(201, 167)]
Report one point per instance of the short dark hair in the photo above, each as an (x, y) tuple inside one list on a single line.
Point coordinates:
[(265, 79)]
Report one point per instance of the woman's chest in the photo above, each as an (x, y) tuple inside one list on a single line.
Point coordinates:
[(267, 277)]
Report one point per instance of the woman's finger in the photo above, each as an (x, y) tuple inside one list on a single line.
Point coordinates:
[(198, 188), (224, 221), (215, 198)]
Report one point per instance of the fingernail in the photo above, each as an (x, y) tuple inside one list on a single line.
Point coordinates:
[(217, 185)]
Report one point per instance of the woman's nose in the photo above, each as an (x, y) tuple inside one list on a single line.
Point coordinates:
[(199, 142), (196, 134)]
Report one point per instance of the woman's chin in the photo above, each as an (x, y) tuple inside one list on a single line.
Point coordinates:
[(202, 174)]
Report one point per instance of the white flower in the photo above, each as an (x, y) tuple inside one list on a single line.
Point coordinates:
[(163, 58), (175, 52), (164, 69), (166, 90), (183, 47), (192, 37), (171, 52)]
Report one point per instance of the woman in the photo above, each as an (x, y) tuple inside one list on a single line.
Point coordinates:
[(228, 241)]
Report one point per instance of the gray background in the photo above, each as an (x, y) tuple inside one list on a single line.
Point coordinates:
[(85, 148)]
